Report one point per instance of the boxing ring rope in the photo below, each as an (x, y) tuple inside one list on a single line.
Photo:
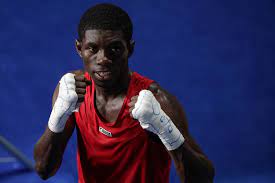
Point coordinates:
[(16, 153)]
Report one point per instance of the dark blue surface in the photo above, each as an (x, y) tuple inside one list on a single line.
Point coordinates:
[(215, 56)]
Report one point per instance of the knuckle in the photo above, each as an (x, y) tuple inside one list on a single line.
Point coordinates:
[(69, 76), (145, 105), (80, 96), (81, 84), (80, 91), (80, 78)]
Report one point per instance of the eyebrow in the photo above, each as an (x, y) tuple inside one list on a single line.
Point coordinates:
[(93, 43), (116, 42)]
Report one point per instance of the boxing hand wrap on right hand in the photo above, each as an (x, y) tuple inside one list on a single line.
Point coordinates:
[(65, 103), (148, 112)]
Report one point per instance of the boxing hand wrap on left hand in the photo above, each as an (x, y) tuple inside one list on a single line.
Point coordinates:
[(148, 112)]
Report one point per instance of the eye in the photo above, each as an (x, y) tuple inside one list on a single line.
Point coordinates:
[(116, 49), (93, 49)]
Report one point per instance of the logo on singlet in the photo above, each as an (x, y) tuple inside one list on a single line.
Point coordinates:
[(105, 132)]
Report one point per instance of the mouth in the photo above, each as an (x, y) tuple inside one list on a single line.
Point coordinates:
[(103, 75)]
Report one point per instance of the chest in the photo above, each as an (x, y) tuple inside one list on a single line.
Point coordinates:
[(109, 110)]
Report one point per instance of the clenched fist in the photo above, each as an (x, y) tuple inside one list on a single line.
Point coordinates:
[(72, 89), (147, 110)]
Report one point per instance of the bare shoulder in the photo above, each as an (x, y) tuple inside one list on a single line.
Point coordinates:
[(162, 95)]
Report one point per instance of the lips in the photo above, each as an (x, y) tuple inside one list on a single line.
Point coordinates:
[(103, 75)]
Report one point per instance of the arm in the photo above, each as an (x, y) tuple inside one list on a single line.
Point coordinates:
[(49, 150), (190, 162)]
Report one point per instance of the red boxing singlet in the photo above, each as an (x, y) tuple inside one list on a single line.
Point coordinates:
[(119, 151)]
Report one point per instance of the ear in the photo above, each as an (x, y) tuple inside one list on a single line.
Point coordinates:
[(78, 47), (131, 47)]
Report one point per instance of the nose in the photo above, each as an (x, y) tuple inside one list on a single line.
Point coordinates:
[(102, 57)]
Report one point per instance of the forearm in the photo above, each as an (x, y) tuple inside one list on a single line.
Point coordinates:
[(191, 165), (48, 153)]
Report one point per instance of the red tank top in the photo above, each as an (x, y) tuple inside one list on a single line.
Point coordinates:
[(119, 151)]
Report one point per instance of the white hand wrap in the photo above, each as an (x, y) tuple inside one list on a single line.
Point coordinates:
[(65, 103), (148, 112)]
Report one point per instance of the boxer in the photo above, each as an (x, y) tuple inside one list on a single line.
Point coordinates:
[(129, 128)]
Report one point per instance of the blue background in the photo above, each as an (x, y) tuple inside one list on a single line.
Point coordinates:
[(215, 56)]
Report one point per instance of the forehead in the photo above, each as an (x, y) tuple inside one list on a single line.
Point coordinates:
[(102, 36)]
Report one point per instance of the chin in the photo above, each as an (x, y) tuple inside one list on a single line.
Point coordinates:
[(103, 83)]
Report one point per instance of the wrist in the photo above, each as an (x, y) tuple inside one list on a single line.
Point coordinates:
[(170, 136), (57, 123), (58, 118)]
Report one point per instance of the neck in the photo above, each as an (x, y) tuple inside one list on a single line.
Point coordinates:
[(118, 88)]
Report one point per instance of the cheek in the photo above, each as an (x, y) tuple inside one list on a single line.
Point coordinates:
[(121, 64), (87, 57), (123, 60), (88, 62)]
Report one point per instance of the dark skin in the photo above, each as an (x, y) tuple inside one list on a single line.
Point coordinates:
[(49, 149), (190, 162), (105, 57)]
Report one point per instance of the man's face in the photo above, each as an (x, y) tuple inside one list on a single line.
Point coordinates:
[(105, 56)]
